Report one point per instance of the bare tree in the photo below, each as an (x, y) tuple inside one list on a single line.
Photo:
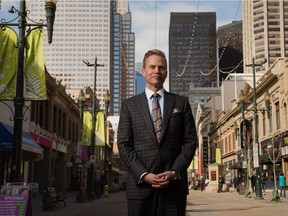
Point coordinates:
[(274, 153)]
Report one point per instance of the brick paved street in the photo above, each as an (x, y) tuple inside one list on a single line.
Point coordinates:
[(199, 204)]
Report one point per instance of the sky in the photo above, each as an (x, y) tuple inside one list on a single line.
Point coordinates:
[(150, 19)]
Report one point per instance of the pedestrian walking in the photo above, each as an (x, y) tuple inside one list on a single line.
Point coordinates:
[(235, 183), (253, 181), (263, 182), (202, 183), (220, 184), (282, 184), (157, 140)]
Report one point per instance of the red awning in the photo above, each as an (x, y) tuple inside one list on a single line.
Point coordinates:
[(42, 140)]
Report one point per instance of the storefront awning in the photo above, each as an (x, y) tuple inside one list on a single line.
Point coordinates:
[(6, 139), (42, 140)]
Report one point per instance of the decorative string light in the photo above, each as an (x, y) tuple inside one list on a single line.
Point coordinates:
[(220, 56)]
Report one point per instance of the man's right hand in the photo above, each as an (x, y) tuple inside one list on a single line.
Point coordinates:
[(155, 181)]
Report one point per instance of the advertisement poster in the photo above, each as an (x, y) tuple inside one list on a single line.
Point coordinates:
[(15, 200)]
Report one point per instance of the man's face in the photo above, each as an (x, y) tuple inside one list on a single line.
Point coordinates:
[(155, 72)]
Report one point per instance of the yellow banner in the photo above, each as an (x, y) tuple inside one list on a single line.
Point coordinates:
[(8, 63), (87, 129), (34, 66), (218, 156), (100, 129)]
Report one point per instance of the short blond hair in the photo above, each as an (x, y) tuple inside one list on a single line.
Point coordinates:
[(154, 52)]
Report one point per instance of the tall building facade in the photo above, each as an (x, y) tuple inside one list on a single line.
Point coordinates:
[(192, 51), (230, 54), (265, 32), (140, 80), (86, 30)]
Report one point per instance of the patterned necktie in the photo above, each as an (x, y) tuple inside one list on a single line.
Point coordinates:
[(156, 116)]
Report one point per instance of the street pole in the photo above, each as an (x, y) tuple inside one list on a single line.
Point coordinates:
[(107, 102), (90, 171), (245, 145), (256, 163), (19, 99)]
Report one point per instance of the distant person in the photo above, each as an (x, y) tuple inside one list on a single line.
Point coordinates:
[(206, 182), (282, 184), (253, 181), (220, 184), (202, 183), (263, 182), (235, 183), (157, 140)]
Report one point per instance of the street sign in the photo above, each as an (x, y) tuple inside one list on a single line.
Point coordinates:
[(244, 164)]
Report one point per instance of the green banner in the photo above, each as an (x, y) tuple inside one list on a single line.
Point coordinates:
[(8, 63), (35, 67)]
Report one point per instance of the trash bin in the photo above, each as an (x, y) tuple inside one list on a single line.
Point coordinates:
[(106, 190)]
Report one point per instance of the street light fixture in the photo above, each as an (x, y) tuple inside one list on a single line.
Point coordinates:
[(19, 100), (91, 152), (256, 152)]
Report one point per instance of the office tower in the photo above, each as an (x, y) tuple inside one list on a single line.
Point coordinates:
[(86, 30), (122, 58), (230, 54), (192, 51), (140, 80), (265, 33)]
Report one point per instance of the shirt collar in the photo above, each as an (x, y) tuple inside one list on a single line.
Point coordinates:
[(149, 93)]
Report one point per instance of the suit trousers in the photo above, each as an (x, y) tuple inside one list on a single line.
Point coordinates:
[(158, 204)]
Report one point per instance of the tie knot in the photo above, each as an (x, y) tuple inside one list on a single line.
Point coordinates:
[(155, 95)]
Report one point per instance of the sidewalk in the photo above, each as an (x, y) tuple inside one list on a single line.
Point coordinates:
[(114, 204), (206, 203), (232, 203)]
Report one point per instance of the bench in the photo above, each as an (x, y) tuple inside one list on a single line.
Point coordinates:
[(57, 198)]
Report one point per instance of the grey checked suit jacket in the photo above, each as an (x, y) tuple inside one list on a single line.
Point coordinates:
[(140, 151)]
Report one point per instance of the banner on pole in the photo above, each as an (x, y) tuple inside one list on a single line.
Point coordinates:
[(8, 63), (100, 129), (34, 66)]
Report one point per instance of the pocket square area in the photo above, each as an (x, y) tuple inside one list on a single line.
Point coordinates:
[(176, 110)]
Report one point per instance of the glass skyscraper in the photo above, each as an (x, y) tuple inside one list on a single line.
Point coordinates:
[(192, 51), (85, 30)]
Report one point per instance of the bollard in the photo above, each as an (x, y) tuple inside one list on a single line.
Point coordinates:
[(106, 190)]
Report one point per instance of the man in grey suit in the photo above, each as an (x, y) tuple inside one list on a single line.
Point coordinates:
[(157, 161)]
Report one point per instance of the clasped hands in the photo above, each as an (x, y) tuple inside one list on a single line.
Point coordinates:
[(160, 180)]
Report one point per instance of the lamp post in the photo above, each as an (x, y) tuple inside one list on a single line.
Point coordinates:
[(81, 107), (91, 152), (107, 103), (245, 145), (19, 99), (256, 148)]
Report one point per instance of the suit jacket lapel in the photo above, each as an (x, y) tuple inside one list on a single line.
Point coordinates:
[(144, 111), (167, 109)]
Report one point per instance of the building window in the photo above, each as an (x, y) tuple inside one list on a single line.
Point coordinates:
[(277, 107), (264, 124)]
